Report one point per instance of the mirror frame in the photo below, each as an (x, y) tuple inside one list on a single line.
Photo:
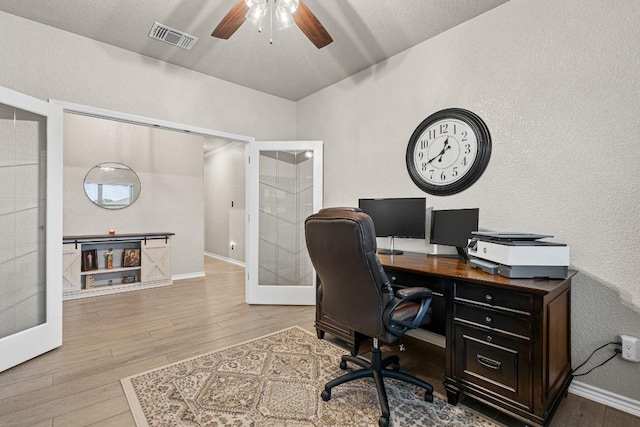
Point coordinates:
[(104, 168)]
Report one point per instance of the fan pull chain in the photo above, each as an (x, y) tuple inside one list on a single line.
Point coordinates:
[(271, 21)]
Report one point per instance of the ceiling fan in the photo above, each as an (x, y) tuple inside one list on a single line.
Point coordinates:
[(285, 12)]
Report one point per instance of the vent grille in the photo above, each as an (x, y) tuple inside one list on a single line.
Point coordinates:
[(171, 36)]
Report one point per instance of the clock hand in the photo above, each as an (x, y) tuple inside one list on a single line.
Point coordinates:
[(445, 148), (442, 154)]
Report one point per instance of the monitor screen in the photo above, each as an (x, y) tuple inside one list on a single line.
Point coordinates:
[(453, 227), (397, 217)]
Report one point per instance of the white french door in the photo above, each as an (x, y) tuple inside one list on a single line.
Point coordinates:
[(284, 181), (30, 227)]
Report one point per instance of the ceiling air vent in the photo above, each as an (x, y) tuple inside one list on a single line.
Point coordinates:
[(171, 36)]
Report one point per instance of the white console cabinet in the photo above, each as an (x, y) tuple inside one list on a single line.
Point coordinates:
[(152, 270)]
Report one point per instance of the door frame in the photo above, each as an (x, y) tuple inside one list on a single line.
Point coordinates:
[(100, 113)]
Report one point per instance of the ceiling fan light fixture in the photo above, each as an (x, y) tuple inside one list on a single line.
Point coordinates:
[(290, 5), (257, 12), (284, 19), (284, 12)]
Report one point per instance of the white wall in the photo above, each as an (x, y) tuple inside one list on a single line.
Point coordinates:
[(45, 62), (48, 63), (224, 184), (557, 84)]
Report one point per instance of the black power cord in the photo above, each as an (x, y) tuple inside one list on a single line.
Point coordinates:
[(616, 352)]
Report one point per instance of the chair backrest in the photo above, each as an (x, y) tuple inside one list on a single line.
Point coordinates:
[(355, 289)]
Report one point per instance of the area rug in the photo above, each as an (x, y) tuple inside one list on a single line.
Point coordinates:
[(276, 380)]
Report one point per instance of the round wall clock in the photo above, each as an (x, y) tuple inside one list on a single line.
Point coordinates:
[(448, 151)]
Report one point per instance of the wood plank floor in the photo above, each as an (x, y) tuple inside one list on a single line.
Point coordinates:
[(110, 337)]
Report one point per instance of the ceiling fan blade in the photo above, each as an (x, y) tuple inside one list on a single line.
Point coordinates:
[(311, 27), (232, 21)]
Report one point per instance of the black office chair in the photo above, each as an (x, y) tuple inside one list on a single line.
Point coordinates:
[(356, 293)]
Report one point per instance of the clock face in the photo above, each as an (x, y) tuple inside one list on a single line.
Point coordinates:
[(448, 151), (445, 151)]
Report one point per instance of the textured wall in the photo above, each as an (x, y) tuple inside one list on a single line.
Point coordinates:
[(557, 84), (45, 62)]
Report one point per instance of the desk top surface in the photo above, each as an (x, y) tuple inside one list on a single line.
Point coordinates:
[(454, 268)]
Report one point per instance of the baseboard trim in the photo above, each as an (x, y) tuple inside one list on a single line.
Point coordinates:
[(220, 257), (605, 397), (188, 275)]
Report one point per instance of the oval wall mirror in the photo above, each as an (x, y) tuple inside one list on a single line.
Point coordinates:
[(112, 185)]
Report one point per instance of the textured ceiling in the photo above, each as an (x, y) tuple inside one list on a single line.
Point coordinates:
[(365, 32)]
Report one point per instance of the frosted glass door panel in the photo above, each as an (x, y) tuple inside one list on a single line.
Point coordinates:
[(288, 188), (30, 226), (22, 220), (282, 258)]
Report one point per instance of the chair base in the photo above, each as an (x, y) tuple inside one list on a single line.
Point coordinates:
[(377, 369)]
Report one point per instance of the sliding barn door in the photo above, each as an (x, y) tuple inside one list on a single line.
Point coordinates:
[(30, 227)]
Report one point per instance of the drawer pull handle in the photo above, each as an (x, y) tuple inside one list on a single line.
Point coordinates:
[(488, 298), (489, 338), (488, 319), (489, 363)]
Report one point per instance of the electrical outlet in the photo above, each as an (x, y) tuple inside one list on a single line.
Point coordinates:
[(630, 348)]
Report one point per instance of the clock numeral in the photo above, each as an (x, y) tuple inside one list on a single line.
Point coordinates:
[(420, 155), (423, 166), (443, 176), (467, 148), (424, 144), (455, 129), (431, 174), (431, 134), (464, 135), (443, 128), (455, 171)]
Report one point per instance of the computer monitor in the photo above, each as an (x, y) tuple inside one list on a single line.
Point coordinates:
[(453, 227), (396, 217)]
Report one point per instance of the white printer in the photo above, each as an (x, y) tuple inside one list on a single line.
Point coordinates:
[(518, 255)]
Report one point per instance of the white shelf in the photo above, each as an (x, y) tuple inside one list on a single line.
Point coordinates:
[(109, 270)]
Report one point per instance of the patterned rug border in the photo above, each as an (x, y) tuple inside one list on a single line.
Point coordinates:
[(138, 412)]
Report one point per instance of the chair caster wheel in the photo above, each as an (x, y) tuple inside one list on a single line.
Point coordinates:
[(383, 422), (343, 364), (428, 397), (325, 395)]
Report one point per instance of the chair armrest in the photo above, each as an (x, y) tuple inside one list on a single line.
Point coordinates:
[(413, 293), (404, 312)]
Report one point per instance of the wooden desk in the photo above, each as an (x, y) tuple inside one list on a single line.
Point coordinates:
[(508, 340)]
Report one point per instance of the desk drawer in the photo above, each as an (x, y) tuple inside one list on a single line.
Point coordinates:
[(494, 297), (494, 362), (493, 320)]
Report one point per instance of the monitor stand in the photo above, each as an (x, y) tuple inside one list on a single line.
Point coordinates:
[(390, 251), (461, 254)]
